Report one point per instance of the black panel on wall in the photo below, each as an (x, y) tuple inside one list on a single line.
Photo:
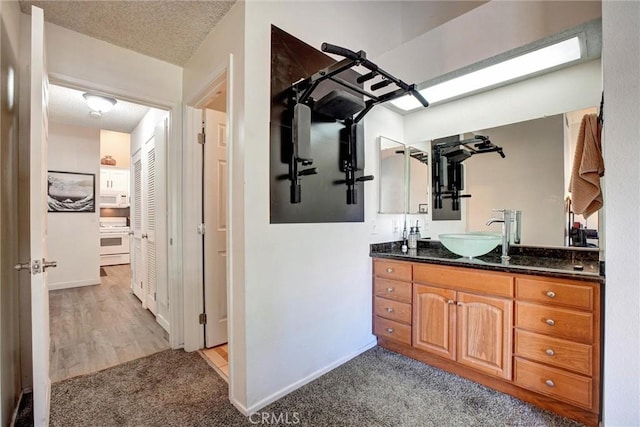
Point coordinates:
[(323, 196)]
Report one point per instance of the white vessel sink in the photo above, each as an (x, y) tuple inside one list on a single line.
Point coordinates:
[(470, 244)]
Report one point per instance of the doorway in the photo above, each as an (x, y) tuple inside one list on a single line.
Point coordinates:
[(97, 322), (214, 220)]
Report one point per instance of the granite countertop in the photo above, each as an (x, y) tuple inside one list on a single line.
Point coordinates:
[(550, 262)]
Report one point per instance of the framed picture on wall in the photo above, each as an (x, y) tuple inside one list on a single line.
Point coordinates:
[(71, 192)]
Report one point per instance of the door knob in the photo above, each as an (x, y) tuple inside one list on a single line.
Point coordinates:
[(23, 266), (49, 264), (145, 236)]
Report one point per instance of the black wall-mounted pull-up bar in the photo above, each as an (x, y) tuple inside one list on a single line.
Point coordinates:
[(340, 105)]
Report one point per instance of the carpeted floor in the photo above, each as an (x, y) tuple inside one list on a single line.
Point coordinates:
[(377, 388)]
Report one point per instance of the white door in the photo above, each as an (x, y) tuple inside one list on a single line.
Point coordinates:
[(149, 213), (137, 275), (215, 220), (39, 87), (149, 247)]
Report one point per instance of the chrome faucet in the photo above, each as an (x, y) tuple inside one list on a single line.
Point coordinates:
[(507, 217)]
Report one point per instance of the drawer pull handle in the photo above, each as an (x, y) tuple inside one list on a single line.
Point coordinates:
[(551, 294), (551, 322), (550, 352), (549, 383), (450, 301), (389, 270), (389, 310), (390, 330), (389, 290)]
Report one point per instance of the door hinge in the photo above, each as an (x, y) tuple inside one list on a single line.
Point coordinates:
[(201, 228), (201, 138), (154, 297), (202, 318)]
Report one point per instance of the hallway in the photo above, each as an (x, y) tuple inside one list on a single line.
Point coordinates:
[(95, 327)]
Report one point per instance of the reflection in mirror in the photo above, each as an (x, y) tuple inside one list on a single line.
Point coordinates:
[(418, 184), (533, 178), (392, 176)]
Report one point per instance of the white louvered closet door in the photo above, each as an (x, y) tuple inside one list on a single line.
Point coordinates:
[(137, 276), (149, 237)]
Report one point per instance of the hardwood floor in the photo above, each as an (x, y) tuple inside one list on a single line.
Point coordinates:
[(95, 327), (218, 358)]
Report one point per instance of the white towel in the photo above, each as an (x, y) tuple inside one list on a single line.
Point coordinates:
[(588, 167)]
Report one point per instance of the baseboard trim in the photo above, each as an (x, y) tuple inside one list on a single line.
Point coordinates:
[(75, 284), (296, 385), (239, 406), (163, 322)]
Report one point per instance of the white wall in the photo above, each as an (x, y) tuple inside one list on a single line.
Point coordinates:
[(75, 57), (621, 59), (74, 238), (484, 32), (297, 326)]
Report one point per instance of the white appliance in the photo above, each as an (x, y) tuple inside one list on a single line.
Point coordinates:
[(114, 241), (114, 199)]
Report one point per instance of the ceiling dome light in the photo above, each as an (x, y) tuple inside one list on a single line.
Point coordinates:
[(98, 103)]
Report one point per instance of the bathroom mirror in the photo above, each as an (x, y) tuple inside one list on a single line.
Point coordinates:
[(392, 181), (533, 177), (404, 177)]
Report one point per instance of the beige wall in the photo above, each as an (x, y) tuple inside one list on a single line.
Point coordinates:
[(530, 178), (116, 144)]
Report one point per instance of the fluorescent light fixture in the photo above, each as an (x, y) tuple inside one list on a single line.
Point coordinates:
[(98, 103), (532, 62)]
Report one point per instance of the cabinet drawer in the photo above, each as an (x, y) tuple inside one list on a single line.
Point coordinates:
[(550, 291), (566, 386), (392, 330), (574, 325), (393, 310), (398, 291), (392, 270), (555, 351), (464, 279)]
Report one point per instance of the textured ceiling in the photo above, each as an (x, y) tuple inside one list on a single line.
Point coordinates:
[(167, 30), (67, 106)]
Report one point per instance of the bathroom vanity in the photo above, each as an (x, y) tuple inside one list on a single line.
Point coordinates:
[(531, 328)]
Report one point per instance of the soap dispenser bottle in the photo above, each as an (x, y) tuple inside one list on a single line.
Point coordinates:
[(413, 238)]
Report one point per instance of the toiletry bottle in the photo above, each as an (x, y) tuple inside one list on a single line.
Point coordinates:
[(417, 231), (413, 239), (404, 238)]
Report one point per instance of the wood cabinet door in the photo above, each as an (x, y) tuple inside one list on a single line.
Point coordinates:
[(484, 333), (434, 320)]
